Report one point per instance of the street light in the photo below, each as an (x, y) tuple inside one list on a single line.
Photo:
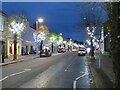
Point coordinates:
[(41, 35), (41, 32), (17, 24), (40, 20), (60, 34)]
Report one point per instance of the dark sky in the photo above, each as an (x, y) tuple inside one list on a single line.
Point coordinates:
[(59, 17)]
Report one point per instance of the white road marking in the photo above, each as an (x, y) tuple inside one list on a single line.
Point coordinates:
[(81, 76), (74, 85), (68, 71), (82, 72), (17, 73), (75, 81), (69, 65), (25, 70), (65, 70), (4, 78)]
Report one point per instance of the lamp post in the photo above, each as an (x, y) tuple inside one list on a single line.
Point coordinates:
[(41, 33), (17, 24), (60, 34), (60, 41), (40, 20), (100, 37)]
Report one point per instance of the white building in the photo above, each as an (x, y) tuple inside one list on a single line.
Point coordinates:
[(7, 37), (28, 44), (1, 32)]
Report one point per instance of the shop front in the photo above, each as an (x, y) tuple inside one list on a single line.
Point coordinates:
[(10, 49)]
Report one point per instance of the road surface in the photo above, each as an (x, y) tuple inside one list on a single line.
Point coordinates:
[(66, 70)]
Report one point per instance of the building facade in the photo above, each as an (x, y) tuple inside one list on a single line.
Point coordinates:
[(2, 16), (29, 45), (7, 38)]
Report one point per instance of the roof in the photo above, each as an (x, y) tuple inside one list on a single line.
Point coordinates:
[(4, 14), (28, 34)]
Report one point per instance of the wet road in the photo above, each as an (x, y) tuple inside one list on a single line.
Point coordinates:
[(67, 70)]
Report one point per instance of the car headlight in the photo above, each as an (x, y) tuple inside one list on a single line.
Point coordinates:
[(83, 52)]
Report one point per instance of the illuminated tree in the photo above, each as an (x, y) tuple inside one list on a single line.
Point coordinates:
[(114, 27), (92, 16), (52, 38), (16, 24), (60, 40), (41, 34)]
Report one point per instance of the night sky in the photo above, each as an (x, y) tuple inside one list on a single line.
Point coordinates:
[(59, 17)]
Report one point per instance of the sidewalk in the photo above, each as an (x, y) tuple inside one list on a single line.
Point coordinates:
[(103, 76), (55, 53), (21, 58)]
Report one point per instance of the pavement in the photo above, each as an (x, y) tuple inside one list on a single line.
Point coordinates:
[(103, 76), (66, 70), (22, 58)]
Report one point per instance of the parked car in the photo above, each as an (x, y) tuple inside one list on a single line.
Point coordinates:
[(45, 52), (74, 50), (61, 50), (82, 51)]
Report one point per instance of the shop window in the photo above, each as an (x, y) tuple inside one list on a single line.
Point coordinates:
[(10, 49)]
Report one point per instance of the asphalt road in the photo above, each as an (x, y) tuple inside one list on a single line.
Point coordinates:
[(67, 70)]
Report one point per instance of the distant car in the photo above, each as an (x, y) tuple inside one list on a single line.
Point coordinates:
[(61, 50), (74, 50), (82, 51), (66, 49), (45, 52)]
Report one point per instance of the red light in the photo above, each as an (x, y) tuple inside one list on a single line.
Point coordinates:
[(10, 48)]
